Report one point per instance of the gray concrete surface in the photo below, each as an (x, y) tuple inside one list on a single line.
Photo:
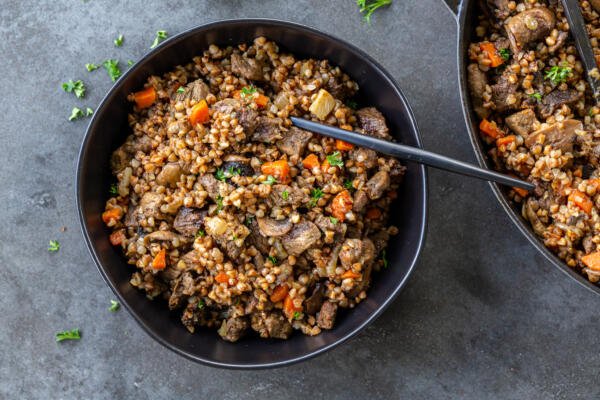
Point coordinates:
[(483, 317)]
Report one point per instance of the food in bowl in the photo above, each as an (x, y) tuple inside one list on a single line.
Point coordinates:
[(528, 88), (239, 220)]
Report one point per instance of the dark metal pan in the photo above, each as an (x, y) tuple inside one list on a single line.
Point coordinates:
[(466, 12), (108, 129)]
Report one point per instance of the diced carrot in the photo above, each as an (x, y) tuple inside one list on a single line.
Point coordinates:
[(581, 200), (145, 98), (160, 260), (311, 161), (578, 172), (117, 237), (289, 308), (592, 261), (237, 94), (261, 100), (278, 169), (503, 141), (492, 53), (490, 129), (373, 213), (111, 214), (520, 191), (199, 114), (341, 204), (279, 293), (350, 274), (343, 146), (594, 182), (222, 277)]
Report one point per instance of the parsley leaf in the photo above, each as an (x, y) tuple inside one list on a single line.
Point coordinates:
[(200, 233), (558, 74), (348, 184), (233, 171), (333, 220), (91, 67), (504, 53), (114, 189), (315, 195), (112, 67), (272, 259), (335, 159), (368, 7), (160, 36), (76, 87), (285, 195), (181, 89), (536, 96), (129, 63), (384, 259), (219, 203), (53, 246), (248, 90), (270, 180), (114, 306), (297, 315), (68, 335), (249, 219), (88, 112), (119, 40), (201, 304), (220, 175), (76, 113)]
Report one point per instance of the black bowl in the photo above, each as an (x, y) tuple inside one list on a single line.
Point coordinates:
[(108, 129)]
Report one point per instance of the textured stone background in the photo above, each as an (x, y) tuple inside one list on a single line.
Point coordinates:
[(483, 316)]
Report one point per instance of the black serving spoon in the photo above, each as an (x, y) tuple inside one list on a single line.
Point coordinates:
[(409, 153)]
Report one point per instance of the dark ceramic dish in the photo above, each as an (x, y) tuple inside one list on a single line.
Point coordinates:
[(108, 130), (466, 13)]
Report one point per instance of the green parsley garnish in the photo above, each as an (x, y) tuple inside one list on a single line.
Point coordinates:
[(384, 258), (220, 175), (160, 36), (558, 74), (201, 304), (112, 67), (272, 259), (249, 219), (76, 113), (348, 184), (297, 315), (119, 41), (248, 90), (53, 246), (88, 112), (91, 67), (76, 87), (129, 63), (200, 233), (234, 171), (335, 159), (504, 53), (368, 7), (536, 96), (219, 203), (114, 306), (114, 189), (270, 180), (333, 220), (285, 195), (68, 335), (315, 195), (181, 89)]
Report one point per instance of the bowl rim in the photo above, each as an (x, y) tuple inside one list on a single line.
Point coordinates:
[(92, 250), (467, 109)]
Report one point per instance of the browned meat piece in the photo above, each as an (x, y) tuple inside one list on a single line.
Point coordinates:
[(248, 68), (596, 5), (294, 141), (120, 158), (588, 245), (256, 239), (380, 240), (357, 251), (169, 175), (360, 201), (556, 99), (377, 185), (271, 325), (149, 206), (301, 237), (477, 81), (529, 212), (268, 130), (227, 106), (223, 230), (192, 258), (238, 168), (189, 220), (338, 89), (214, 187), (248, 119), (184, 287), (560, 135), (366, 158), (499, 8), (326, 224), (523, 122), (326, 317), (560, 41), (313, 303), (505, 95), (271, 227), (191, 317), (529, 26), (295, 197), (373, 123), (233, 329), (196, 90)]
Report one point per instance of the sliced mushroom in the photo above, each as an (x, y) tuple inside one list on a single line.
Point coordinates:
[(272, 227), (163, 236), (301, 237), (169, 175)]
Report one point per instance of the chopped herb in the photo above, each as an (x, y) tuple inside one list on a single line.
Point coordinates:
[(201, 304), (504, 53), (220, 175), (335, 159), (368, 7), (114, 306), (384, 258), (285, 195), (234, 238), (129, 63), (352, 104), (76, 113), (112, 67), (348, 184), (76, 87), (591, 112), (248, 91), (536, 96), (270, 180), (249, 219), (119, 41), (315, 195), (53, 246), (219, 203), (297, 315), (200, 233), (88, 112), (181, 89), (234, 171), (558, 74), (68, 335), (333, 220), (160, 36), (114, 189), (272, 259), (91, 67)]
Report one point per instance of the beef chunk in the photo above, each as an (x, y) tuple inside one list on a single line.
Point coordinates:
[(373, 123), (560, 135), (360, 201), (238, 168), (366, 158), (232, 329), (294, 141), (191, 258), (503, 94), (377, 185), (214, 187), (271, 325), (477, 81), (556, 99), (325, 224), (326, 317), (295, 197), (313, 303), (357, 251), (191, 317), (149, 206), (169, 175), (301, 237), (184, 287), (529, 26), (189, 220), (596, 5), (248, 119), (256, 239), (222, 231), (196, 90), (499, 8), (522, 122), (268, 130), (248, 68)]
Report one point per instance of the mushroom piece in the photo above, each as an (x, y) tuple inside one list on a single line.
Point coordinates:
[(163, 236), (169, 175), (272, 227), (559, 135), (301, 237)]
